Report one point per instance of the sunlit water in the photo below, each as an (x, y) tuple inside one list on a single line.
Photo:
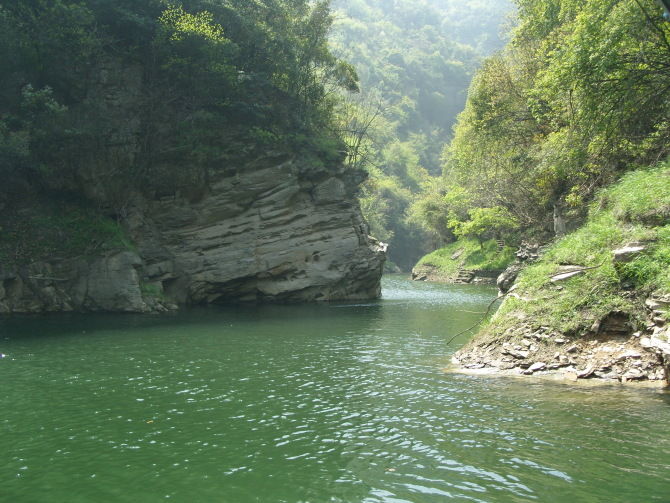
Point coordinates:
[(313, 403)]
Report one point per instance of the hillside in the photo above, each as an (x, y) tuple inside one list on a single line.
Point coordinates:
[(597, 303), (464, 261), (415, 60), (575, 100), (560, 150)]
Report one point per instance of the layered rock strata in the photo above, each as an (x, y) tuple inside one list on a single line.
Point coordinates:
[(269, 231)]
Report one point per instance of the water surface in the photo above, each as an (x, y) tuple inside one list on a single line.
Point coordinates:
[(313, 403)]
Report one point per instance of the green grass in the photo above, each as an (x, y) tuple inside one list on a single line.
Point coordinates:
[(57, 229), (642, 197), (634, 210), (474, 256)]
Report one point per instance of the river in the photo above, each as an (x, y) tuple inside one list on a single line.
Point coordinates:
[(344, 402)]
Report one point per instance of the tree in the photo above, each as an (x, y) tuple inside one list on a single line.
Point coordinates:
[(196, 83), (576, 98), (485, 223)]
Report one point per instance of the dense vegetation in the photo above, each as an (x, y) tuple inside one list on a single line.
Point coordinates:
[(415, 60), (100, 99), (577, 98), (636, 210), (470, 254), (103, 99), (154, 95)]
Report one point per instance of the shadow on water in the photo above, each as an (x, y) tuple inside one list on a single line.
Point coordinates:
[(73, 324)]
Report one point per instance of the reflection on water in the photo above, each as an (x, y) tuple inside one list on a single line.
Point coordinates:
[(316, 403)]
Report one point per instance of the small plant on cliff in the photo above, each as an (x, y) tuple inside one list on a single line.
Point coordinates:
[(57, 230)]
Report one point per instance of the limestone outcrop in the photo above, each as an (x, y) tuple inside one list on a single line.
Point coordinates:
[(268, 231)]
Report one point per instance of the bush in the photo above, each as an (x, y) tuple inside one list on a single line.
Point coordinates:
[(57, 230)]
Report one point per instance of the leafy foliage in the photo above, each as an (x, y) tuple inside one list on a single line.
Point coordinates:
[(415, 60), (616, 218), (109, 98), (471, 254), (141, 89), (577, 98), (485, 223), (57, 229)]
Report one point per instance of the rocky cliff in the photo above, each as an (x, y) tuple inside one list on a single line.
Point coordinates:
[(194, 160), (267, 230)]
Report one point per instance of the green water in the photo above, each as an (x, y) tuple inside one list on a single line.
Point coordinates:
[(315, 403)]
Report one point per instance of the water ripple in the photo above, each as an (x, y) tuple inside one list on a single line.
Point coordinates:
[(324, 403)]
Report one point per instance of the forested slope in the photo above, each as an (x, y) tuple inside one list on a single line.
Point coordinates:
[(570, 121), (577, 98), (218, 79), (415, 60)]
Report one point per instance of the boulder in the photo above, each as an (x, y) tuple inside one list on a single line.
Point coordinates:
[(528, 252), (566, 275), (113, 284), (628, 252), (507, 278)]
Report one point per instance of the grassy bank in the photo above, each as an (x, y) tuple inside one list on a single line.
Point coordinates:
[(636, 211), (468, 254)]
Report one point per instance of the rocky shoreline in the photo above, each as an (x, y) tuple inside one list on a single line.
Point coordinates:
[(612, 350), (609, 357), (427, 272)]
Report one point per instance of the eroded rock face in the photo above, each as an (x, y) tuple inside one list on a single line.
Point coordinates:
[(277, 228), (110, 282), (267, 232)]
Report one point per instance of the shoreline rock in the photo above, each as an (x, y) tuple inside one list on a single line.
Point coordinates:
[(612, 349), (611, 352), (427, 272), (553, 376)]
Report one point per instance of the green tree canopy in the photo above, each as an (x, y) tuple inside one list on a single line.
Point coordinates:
[(578, 96)]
